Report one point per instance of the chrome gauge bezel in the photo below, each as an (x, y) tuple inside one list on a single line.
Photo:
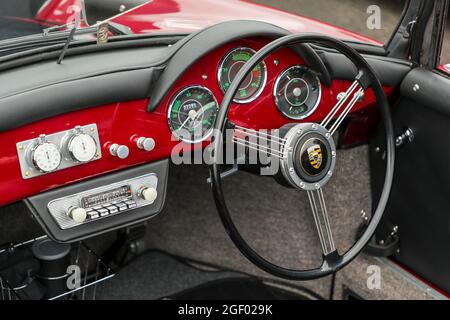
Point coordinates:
[(32, 155), (70, 146), (171, 104), (258, 93), (277, 102)]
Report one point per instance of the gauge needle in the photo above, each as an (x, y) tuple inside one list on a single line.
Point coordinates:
[(191, 115), (203, 109)]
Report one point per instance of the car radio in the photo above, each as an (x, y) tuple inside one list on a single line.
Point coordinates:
[(105, 201)]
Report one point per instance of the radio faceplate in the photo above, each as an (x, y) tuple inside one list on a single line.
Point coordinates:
[(102, 202)]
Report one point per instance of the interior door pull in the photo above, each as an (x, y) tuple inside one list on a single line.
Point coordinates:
[(405, 137)]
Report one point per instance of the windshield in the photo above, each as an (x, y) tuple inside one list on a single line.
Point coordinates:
[(365, 21)]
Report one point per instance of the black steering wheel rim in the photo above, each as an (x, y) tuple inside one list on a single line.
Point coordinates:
[(329, 266)]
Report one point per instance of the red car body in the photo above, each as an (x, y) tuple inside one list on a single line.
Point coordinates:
[(194, 15)]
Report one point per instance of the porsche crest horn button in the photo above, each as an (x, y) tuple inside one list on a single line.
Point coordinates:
[(313, 156)]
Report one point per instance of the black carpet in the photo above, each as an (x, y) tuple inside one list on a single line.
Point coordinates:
[(236, 289), (156, 275)]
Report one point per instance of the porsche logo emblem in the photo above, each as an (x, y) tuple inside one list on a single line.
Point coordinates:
[(315, 156)]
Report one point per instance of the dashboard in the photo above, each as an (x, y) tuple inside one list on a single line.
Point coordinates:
[(86, 144), (280, 90)]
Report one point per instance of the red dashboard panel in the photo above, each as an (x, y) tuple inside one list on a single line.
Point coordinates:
[(121, 122)]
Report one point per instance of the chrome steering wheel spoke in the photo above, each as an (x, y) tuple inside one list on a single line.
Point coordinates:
[(322, 222), (345, 104), (267, 142)]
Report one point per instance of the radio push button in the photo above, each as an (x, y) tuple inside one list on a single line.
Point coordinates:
[(122, 206), (131, 204), (112, 209)]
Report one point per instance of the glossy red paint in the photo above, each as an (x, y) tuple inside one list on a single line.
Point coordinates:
[(58, 12), (193, 15), (118, 123), (445, 68)]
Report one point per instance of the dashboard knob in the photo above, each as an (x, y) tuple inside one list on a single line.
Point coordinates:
[(120, 151), (77, 214), (147, 144), (148, 194)]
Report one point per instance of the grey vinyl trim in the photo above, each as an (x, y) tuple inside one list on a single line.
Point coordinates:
[(46, 89), (427, 88), (390, 71)]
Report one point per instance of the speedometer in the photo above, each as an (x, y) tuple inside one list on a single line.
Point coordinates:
[(254, 82), (297, 92), (192, 114)]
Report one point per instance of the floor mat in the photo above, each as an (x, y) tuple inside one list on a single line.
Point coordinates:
[(236, 289), (156, 275)]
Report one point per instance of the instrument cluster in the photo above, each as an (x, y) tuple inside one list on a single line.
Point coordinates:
[(193, 109)]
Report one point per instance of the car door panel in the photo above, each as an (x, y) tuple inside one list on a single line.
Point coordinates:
[(420, 203)]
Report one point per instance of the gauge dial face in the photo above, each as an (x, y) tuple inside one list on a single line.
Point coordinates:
[(254, 82), (82, 147), (297, 92), (46, 157), (192, 114)]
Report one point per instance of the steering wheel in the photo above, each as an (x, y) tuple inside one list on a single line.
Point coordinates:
[(307, 157)]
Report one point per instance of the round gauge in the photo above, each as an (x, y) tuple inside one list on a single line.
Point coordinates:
[(82, 147), (46, 157), (254, 82), (297, 92), (192, 114)]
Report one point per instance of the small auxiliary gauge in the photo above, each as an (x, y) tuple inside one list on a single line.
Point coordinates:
[(81, 146), (45, 156), (57, 151)]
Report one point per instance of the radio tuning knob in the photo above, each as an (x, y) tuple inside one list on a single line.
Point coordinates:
[(147, 144), (120, 151), (148, 194), (77, 214)]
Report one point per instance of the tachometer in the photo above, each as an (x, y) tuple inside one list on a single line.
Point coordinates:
[(297, 92), (253, 84), (192, 114)]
